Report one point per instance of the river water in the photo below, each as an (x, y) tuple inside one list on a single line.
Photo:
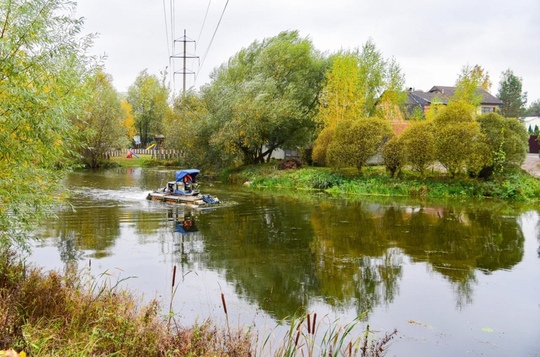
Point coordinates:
[(460, 278)]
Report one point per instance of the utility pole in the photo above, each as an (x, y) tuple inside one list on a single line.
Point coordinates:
[(184, 56)]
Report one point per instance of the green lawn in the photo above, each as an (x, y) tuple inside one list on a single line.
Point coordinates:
[(132, 162)]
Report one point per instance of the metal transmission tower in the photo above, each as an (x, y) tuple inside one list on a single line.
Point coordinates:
[(184, 56)]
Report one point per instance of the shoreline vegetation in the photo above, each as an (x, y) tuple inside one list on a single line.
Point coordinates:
[(76, 314), (513, 184)]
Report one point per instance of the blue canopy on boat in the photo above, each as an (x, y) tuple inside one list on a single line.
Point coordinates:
[(191, 172)]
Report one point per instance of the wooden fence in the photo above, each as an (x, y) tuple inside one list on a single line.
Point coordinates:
[(155, 154)]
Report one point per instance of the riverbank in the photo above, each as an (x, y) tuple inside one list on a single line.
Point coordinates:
[(517, 184), (74, 314), (513, 184)]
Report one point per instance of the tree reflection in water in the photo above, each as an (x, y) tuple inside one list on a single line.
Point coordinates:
[(284, 253)]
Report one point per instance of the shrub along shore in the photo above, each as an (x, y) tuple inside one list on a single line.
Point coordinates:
[(513, 184)]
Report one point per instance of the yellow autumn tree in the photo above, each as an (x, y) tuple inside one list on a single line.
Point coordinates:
[(129, 120), (341, 97), (356, 82)]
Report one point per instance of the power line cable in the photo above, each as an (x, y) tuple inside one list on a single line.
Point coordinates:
[(166, 28), (212, 39), (204, 21)]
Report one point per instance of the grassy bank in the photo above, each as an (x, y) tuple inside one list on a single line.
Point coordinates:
[(55, 314), (514, 184)]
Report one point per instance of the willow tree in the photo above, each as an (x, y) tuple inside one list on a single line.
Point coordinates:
[(42, 66), (102, 127), (187, 130), (265, 97)]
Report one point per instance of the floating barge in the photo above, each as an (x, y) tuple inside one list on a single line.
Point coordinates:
[(184, 191)]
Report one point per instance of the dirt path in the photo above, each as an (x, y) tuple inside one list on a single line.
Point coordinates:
[(531, 164)]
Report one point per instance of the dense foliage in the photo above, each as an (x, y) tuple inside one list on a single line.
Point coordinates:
[(43, 68), (511, 94), (320, 147), (394, 155), (419, 146), (148, 99), (355, 141), (506, 138), (265, 98), (102, 126)]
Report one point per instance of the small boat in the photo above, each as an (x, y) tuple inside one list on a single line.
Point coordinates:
[(185, 191)]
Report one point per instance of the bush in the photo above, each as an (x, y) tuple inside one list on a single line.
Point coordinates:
[(457, 145), (458, 139), (506, 138), (419, 144), (455, 112), (394, 156), (321, 146), (355, 141)]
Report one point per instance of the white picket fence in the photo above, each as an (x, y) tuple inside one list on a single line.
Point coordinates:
[(155, 154)]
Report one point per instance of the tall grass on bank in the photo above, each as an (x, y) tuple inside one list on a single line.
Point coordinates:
[(49, 314), (71, 314)]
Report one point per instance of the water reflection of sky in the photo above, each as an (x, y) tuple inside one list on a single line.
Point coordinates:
[(274, 256)]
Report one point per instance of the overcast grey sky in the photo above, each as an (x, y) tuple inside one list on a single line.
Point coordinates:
[(431, 40)]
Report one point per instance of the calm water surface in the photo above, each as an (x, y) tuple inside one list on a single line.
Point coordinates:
[(454, 279)]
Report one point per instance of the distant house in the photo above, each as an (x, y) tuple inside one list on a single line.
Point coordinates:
[(441, 95)]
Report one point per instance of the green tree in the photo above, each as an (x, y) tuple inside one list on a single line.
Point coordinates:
[(533, 109), (265, 97), (148, 99), (189, 131), (42, 66), (355, 141), (510, 92), (377, 75), (102, 126)]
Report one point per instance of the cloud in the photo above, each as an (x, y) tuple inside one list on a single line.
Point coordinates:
[(430, 40)]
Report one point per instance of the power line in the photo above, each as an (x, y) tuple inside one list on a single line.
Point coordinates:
[(212, 39), (204, 21), (166, 28)]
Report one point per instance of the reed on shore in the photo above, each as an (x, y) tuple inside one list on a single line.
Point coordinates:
[(76, 314)]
